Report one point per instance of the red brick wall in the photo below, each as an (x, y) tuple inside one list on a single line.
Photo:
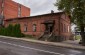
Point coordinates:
[(41, 27), (25, 12), (65, 22), (11, 10)]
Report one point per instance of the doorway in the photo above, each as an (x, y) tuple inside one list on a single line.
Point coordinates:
[(49, 28)]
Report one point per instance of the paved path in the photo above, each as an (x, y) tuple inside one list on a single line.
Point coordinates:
[(19, 47)]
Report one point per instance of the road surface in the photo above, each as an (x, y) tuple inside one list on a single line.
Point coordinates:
[(19, 47)]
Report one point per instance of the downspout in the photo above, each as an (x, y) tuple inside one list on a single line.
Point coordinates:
[(59, 37), (59, 24)]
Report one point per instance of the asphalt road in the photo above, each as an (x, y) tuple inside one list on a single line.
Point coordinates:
[(19, 47)]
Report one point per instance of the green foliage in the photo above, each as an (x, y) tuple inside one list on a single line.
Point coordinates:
[(74, 8), (78, 37), (11, 30), (17, 31)]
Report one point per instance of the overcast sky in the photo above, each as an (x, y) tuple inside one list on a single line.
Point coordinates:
[(39, 7)]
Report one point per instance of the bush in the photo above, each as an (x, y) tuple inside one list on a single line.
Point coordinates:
[(11, 30), (17, 31)]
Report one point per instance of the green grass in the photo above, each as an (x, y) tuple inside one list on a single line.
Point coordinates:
[(29, 37), (77, 37)]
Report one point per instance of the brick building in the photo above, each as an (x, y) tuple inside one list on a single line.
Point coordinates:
[(44, 26), (10, 9)]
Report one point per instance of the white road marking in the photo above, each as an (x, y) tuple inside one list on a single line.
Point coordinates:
[(32, 48)]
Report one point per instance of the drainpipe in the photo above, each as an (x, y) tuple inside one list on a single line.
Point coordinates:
[(59, 24), (59, 37)]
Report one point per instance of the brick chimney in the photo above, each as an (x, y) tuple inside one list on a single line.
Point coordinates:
[(52, 11)]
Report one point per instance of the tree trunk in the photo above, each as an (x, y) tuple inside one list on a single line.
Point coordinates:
[(82, 35)]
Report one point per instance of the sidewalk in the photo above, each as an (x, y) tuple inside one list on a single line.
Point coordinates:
[(72, 42), (65, 44)]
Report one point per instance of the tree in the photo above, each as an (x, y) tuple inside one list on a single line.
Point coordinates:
[(76, 9)]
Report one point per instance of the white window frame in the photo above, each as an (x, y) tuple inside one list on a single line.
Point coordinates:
[(25, 28), (34, 27)]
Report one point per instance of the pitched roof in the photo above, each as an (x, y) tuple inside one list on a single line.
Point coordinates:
[(34, 16)]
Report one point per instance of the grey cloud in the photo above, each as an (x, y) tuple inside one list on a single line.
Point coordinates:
[(39, 6)]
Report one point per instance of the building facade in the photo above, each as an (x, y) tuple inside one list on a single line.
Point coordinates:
[(10, 9), (56, 23)]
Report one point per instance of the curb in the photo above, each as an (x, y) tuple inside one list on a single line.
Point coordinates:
[(49, 43)]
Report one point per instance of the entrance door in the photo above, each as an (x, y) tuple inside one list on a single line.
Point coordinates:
[(49, 28), (49, 24)]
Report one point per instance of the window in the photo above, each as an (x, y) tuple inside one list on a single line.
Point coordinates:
[(25, 28), (34, 27), (2, 3), (2, 7), (2, 13), (19, 10), (61, 27), (64, 28), (68, 29)]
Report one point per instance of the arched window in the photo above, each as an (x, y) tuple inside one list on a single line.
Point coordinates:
[(68, 28), (61, 27), (34, 27), (64, 28), (25, 28)]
